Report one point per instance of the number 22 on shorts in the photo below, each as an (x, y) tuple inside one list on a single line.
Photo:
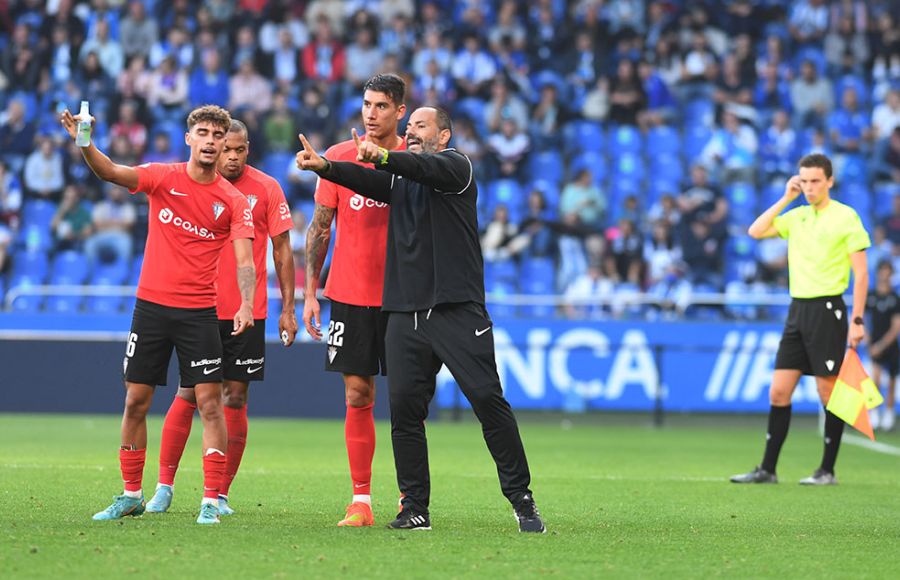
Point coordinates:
[(335, 333)]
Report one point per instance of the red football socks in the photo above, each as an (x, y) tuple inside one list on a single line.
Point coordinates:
[(131, 462), (213, 472), (175, 433), (236, 423), (359, 432)]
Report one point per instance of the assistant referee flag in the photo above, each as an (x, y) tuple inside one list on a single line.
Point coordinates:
[(854, 394)]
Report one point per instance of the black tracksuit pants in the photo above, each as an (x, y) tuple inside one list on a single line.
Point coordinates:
[(459, 336)]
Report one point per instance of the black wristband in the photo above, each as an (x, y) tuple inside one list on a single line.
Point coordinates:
[(325, 169), (858, 320)]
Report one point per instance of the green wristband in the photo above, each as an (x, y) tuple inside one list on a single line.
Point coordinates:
[(384, 156)]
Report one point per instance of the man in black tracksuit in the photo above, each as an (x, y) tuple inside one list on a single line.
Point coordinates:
[(434, 292)]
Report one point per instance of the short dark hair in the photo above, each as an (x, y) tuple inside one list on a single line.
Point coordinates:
[(209, 114), (443, 120), (239, 127), (817, 160), (388, 83)]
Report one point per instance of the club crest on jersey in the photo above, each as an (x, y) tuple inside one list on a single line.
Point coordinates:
[(218, 208), (251, 199)]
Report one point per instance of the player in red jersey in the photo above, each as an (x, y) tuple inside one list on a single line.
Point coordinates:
[(356, 329), (244, 355), (194, 211)]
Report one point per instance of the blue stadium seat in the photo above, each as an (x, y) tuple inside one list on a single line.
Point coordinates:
[(32, 265), (667, 167), (501, 271), (550, 190), (592, 160), (538, 279), (501, 289), (104, 304), (64, 304), (695, 139), (509, 193), (699, 113), (884, 198), (857, 196), (473, 109), (740, 247), (136, 264), (863, 92), (626, 139), (584, 136), (38, 212), (853, 170), (663, 139), (743, 203), (628, 166), (546, 165), (277, 164), (69, 267), (113, 273)]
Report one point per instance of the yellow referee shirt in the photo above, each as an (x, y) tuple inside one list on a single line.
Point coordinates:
[(819, 247)]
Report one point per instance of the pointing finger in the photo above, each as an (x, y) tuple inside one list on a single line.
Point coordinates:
[(355, 136), (305, 143)]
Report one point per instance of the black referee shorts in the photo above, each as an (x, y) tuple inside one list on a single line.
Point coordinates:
[(815, 336)]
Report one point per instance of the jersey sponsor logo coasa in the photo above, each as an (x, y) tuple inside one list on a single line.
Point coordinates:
[(359, 202), (167, 216)]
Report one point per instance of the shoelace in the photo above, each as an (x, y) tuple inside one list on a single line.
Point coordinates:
[(526, 510)]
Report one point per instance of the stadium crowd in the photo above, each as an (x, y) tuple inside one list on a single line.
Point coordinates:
[(621, 145)]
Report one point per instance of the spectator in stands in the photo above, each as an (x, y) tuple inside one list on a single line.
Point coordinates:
[(772, 259), (10, 207), (472, 68), (885, 47), (209, 82), (537, 237), (624, 260), (573, 260), (665, 210), (596, 102), (846, 47), (315, 113), (508, 26), (366, 57), (20, 60), (881, 250), (666, 62), (62, 57), (497, 235), (129, 127), (731, 90), (771, 92), (137, 32), (773, 55), (434, 79), (135, 81), (285, 59), (812, 97), (16, 135), (431, 48), (280, 126), (108, 51), (397, 36), (508, 148), (662, 256), (583, 198), (122, 152), (850, 126), (324, 58), (698, 70), (591, 286), (887, 166), (161, 152), (176, 45), (93, 80), (547, 119), (545, 39), (168, 97), (697, 21), (248, 90), (702, 201), (43, 174), (504, 105), (808, 22), (112, 221), (583, 65), (778, 147), (71, 224), (661, 104), (626, 96), (886, 116), (732, 148), (702, 253)]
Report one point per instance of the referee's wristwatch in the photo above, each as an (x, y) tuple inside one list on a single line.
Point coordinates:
[(858, 320)]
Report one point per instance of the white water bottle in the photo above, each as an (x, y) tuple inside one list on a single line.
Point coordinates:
[(83, 136)]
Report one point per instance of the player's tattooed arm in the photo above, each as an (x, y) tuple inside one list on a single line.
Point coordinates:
[(318, 237), (246, 276)]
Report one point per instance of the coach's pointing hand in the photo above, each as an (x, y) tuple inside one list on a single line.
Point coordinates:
[(308, 159), (366, 151)]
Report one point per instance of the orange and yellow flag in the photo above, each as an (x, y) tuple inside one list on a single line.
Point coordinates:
[(854, 394)]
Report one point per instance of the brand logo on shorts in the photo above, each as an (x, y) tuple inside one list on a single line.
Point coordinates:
[(332, 352), (250, 371), (209, 371), (250, 361), (252, 199), (218, 208), (358, 202), (206, 361)]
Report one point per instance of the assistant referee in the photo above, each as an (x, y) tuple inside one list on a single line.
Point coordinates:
[(826, 239), (434, 294)]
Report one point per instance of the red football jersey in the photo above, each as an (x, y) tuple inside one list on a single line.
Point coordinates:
[(360, 243), (189, 223), (271, 216)]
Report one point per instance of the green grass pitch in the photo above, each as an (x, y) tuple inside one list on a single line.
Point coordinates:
[(620, 498)]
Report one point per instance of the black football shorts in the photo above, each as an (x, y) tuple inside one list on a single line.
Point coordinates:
[(355, 340), (244, 355)]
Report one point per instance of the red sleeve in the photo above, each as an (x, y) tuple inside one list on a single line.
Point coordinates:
[(278, 213), (149, 175), (241, 218)]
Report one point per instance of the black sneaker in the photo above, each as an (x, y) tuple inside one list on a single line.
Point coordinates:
[(758, 475), (408, 519), (528, 516)]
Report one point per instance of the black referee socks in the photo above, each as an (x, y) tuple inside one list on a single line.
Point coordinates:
[(779, 422)]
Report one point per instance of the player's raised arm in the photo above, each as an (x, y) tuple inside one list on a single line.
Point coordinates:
[(100, 164), (764, 225)]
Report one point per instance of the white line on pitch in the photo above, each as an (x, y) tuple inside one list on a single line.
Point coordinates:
[(876, 446)]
